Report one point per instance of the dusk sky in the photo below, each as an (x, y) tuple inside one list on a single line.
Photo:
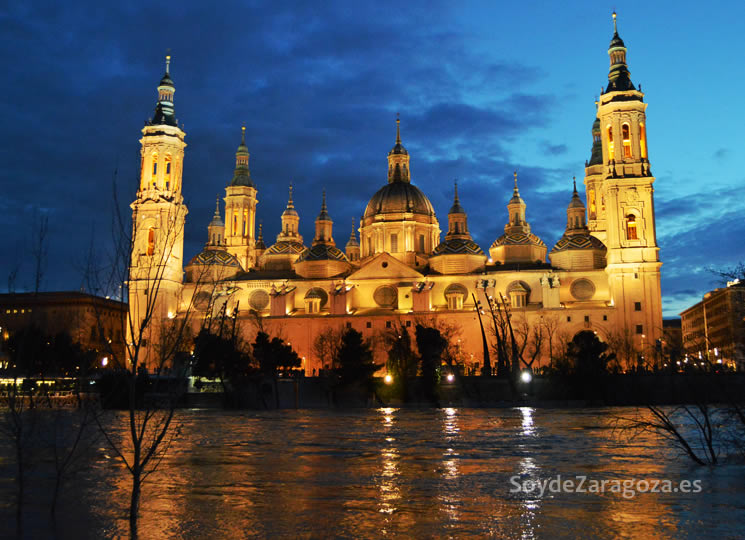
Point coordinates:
[(483, 88)]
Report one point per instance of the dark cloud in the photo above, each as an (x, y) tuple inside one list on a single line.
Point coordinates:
[(317, 86)]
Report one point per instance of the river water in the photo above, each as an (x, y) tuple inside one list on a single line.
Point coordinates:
[(373, 473)]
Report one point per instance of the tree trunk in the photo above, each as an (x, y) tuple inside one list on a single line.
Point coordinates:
[(134, 504)]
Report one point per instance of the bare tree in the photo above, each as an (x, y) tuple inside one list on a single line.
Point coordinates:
[(154, 343), (326, 345), (701, 442), (550, 325)]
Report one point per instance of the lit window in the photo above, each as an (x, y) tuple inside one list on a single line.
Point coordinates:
[(518, 298), (591, 197), (168, 173), (643, 140), (154, 176), (151, 241), (631, 233), (611, 148), (626, 133)]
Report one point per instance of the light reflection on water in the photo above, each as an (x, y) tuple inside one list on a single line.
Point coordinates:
[(392, 473)]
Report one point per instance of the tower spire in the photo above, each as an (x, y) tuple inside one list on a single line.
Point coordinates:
[(619, 78), (164, 110), (324, 215), (398, 158), (242, 175)]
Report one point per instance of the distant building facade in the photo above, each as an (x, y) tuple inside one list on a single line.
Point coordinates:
[(94, 322), (714, 329), (603, 275)]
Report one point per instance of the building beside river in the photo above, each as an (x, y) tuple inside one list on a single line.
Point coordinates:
[(397, 268)]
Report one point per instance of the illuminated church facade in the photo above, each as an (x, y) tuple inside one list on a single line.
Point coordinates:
[(603, 275)]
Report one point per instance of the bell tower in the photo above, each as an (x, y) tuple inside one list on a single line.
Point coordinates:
[(158, 215), (621, 198), (240, 210)]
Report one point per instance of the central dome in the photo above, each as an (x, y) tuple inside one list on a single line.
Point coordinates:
[(397, 198)]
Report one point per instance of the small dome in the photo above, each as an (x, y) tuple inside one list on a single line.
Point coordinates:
[(518, 239), (398, 149), (399, 197), (322, 252), (167, 81), (353, 241), (458, 246), (314, 293), (286, 248), (578, 241), (576, 202), (215, 257), (616, 42)]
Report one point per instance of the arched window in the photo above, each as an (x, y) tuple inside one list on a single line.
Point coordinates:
[(167, 176), (154, 176), (626, 133), (245, 222), (611, 147), (591, 200), (631, 233), (235, 223), (151, 241), (643, 140)]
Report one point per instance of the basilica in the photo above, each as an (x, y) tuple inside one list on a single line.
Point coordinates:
[(603, 275)]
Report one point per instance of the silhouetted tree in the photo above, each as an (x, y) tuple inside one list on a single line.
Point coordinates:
[(354, 361), (589, 354), (431, 345)]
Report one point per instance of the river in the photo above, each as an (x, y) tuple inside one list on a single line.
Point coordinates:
[(373, 473)]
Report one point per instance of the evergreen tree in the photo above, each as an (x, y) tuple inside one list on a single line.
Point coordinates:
[(431, 345), (354, 360), (274, 355)]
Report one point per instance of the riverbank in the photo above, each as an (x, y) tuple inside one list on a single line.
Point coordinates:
[(554, 391)]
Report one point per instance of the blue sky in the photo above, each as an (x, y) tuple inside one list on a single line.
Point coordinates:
[(483, 88)]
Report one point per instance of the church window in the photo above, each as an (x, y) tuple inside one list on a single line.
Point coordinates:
[(394, 243), (168, 173), (626, 133), (631, 233), (639, 329), (388, 324), (643, 140), (421, 243), (368, 324), (637, 306), (235, 223), (591, 197), (611, 148), (151, 241), (245, 222), (154, 175)]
